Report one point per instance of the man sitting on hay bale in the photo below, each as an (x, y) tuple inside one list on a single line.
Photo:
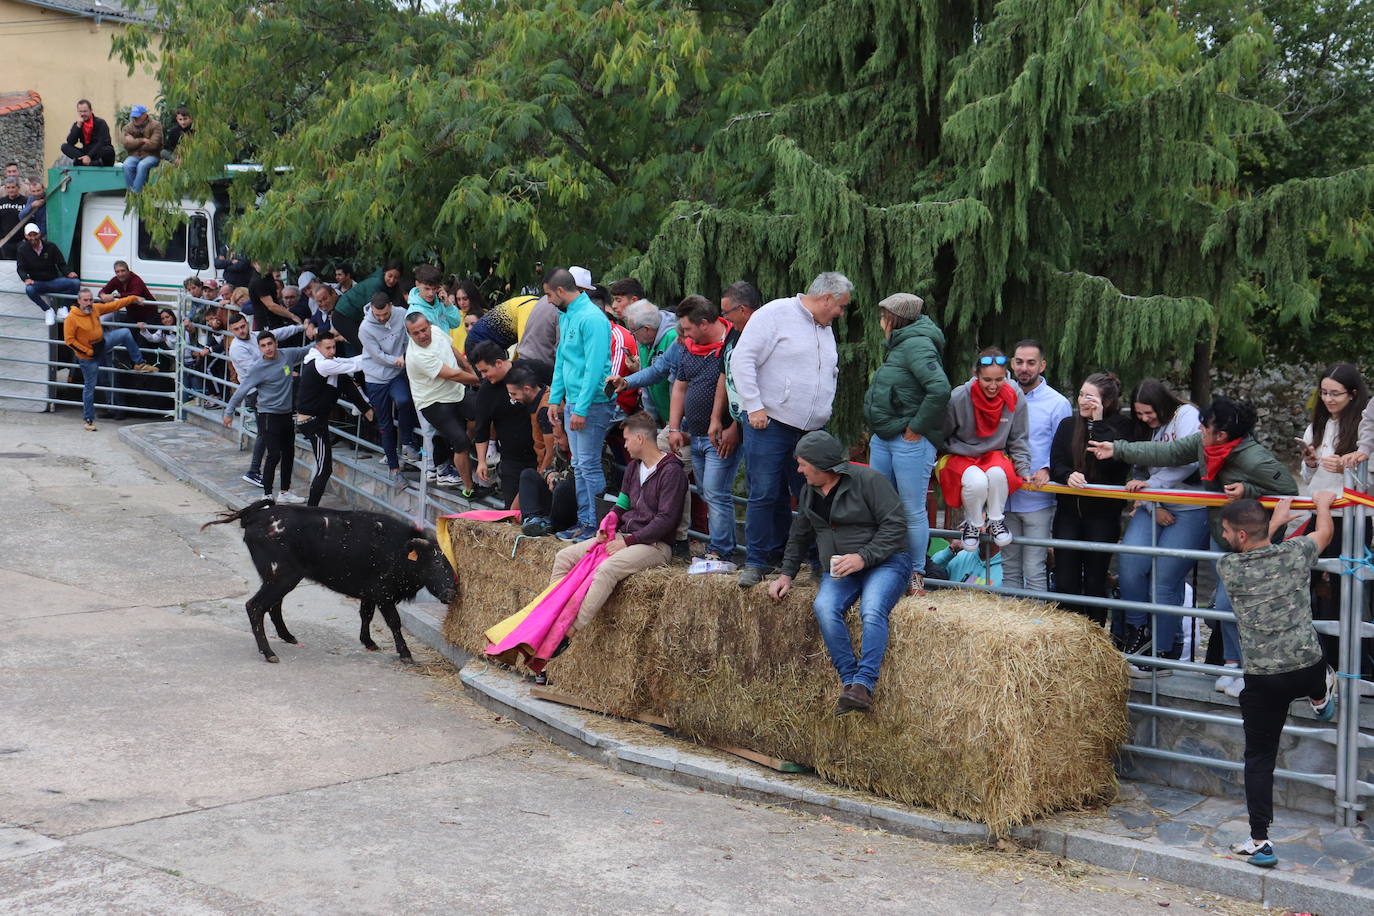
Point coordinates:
[(855, 517)]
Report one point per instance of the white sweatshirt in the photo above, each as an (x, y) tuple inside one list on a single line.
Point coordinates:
[(787, 364)]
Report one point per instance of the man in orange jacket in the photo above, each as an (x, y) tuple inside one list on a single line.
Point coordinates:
[(91, 344)]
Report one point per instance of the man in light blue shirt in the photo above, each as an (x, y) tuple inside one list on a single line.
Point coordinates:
[(1029, 513)]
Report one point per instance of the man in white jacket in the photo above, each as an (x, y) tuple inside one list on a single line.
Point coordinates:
[(784, 370)]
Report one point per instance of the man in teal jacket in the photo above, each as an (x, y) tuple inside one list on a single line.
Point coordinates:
[(580, 368)]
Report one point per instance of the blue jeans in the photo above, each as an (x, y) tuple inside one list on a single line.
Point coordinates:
[(586, 444), (1230, 633), (91, 369), (1189, 531), (908, 466), (392, 403), (136, 169), (39, 288), (773, 479), (716, 479), (877, 589)]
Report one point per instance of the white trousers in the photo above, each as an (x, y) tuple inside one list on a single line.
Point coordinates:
[(984, 494)]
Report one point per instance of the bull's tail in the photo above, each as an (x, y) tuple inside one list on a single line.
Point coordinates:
[(243, 516)]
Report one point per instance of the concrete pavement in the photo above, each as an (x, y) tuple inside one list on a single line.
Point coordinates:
[(150, 762)]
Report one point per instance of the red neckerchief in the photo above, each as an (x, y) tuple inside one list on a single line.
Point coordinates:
[(1215, 456), (87, 130), (711, 349), (987, 412)]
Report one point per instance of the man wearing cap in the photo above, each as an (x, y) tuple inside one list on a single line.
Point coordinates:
[(44, 270), (88, 142), (143, 143), (855, 518), (13, 205)]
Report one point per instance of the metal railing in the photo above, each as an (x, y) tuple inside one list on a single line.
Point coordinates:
[(421, 507)]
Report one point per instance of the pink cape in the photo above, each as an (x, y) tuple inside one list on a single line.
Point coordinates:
[(547, 620)]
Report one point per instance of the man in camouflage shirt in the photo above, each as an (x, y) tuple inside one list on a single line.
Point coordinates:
[(1268, 584)]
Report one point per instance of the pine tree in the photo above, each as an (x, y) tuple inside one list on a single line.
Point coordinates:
[(1061, 169)]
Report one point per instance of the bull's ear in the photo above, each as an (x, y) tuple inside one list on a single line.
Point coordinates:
[(416, 545)]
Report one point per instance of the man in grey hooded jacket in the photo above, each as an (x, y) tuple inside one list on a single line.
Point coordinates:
[(382, 335)]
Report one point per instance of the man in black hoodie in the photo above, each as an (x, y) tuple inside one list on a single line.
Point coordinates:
[(88, 142)]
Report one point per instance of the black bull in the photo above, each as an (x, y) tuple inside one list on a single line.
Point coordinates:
[(366, 555)]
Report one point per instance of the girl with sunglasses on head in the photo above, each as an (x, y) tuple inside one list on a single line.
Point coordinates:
[(986, 436), (1088, 518), (1329, 442)]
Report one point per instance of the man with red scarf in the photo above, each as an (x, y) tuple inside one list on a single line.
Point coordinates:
[(1231, 462), (701, 334), (88, 142)]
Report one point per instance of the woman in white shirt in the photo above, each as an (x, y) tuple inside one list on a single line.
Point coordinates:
[(1328, 440), (1163, 417)]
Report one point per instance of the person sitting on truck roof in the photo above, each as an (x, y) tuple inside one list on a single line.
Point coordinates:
[(143, 143), (183, 128), (127, 283), (89, 142), (43, 269)]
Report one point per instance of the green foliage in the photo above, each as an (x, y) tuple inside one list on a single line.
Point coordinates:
[(1064, 169), (491, 137)]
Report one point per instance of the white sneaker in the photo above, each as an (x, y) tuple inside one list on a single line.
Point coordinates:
[(968, 535), (448, 480), (50, 317), (411, 455), (1225, 681), (286, 496), (1234, 688), (62, 313), (998, 529)]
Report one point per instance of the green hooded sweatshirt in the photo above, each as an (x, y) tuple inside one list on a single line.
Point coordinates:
[(910, 389)]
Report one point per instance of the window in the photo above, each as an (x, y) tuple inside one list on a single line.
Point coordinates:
[(174, 250)]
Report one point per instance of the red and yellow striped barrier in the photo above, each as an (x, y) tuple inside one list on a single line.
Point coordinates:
[(1192, 497)]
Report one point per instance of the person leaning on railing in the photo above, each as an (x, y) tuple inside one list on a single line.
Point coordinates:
[(92, 345), (1160, 417), (1232, 462), (1328, 442), (1088, 518)]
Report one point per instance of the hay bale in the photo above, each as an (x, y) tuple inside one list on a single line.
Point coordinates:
[(991, 709)]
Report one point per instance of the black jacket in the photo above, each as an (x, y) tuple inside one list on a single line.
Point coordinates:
[(46, 263), (1112, 471), (175, 134), (101, 149)]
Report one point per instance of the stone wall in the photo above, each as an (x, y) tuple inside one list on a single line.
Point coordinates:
[(21, 132), (1282, 394)]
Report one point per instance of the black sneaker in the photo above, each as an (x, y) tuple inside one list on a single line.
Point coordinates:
[(254, 479), (534, 527), (1138, 640)]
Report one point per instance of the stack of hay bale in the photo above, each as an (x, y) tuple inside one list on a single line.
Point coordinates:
[(991, 709)]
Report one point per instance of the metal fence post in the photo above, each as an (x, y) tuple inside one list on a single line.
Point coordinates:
[(1349, 687)]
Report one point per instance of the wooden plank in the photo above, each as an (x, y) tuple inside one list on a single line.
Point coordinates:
[(567, 699)]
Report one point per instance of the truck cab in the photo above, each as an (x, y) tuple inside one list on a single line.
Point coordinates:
[(88, 222)]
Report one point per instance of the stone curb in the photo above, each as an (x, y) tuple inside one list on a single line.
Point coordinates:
[(577, 730), (672, 760)]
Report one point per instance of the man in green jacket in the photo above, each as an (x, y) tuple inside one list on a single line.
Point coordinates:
[(1231, 462), (855, 518)]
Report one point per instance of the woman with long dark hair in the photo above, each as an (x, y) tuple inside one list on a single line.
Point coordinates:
[(1160, 417), (1088, 518), (1332, 436)]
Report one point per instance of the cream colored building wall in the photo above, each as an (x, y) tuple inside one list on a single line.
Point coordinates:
[(64, 58)]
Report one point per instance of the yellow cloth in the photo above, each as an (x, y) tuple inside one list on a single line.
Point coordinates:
[(503, 629)]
